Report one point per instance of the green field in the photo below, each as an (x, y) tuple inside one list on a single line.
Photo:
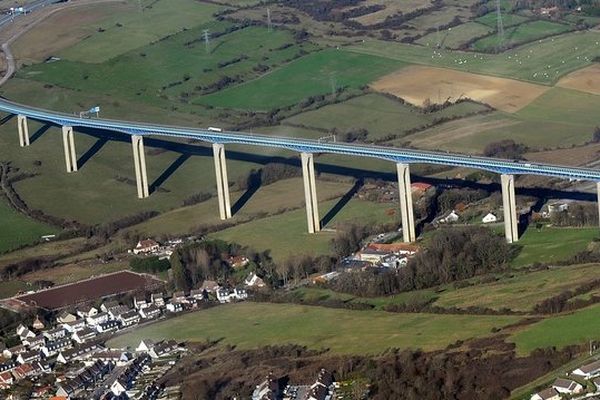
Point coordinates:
[(249, 325), (127, 31), (10, 288), (528, 62), (455, 37), (491, 20), (175, 68), (316, 74), (378, 114), (522, 33), (553, 244), (18, 230), (286, 234), (575, 328)]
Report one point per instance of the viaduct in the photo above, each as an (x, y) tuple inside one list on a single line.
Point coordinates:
[(307, 149)]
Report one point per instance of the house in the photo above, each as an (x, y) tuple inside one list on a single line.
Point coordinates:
[(84, 335), (118, 387), (97, 319), (6, 380), (14, 351), (29, 357), (210, 286), (198, 294), (174, 307), (129, 318), (254, 281), (74, 326), (34, 342), (117, 357), (7, 366), (150, 312), (489, 218), (450, 218), (163, 348), (238, 262), (145, 345), (23, 332), (76, 353), (567, 386), (178, 297), (23, 371), (146, 246), (546, 394), (558, 207), (66, 317), (588, 371), (55, 334), (109, 305), (38, 324), (223, 295), (107, 326), (268, 389), (158, 299), (52, 348), (87, 311), (117, 311), (139, 304)]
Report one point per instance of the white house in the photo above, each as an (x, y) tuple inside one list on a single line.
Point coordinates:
[(146, 246), (88, 311), (567, 386), (34, 342), (158, 299), (66, 317), (225, 295), (52, 348), (588, 371), (145, 345), (139, 304), (129, 318), (150, 312), (253, 280), (23, 332), (118, 387), (97, 319), (107, 326), (450, 218), (74, 326), (55, 334), (174, 307), (29, 357), (546, 394), (84, 335), (489, 218)]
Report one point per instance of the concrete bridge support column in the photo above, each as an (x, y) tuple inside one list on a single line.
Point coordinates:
[(139, 162), (310, 193), (23, 129), (406, 206), (511, 229), (222, 181), (598, 191), (69, 146)]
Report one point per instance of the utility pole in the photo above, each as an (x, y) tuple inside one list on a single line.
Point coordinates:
[(500, 25), (206, 35), (269, 25)]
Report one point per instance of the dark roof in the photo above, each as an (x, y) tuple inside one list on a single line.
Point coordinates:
[(547, 393)]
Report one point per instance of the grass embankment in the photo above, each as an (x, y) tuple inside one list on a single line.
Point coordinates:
[(522, 33), (250, 325), (17, 229)]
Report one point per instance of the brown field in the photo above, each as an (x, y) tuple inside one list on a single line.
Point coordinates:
[(56, 31), (585, 80), (91, 289), (416, 84), (391, 7), (577, 156)]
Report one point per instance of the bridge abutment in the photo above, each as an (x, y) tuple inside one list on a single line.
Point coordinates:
[(406, 206), (139, 162), (69, 146), (511, 229), (310, 192), (23, 129), (222, 181)]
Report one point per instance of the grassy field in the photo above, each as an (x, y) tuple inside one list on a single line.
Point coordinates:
[(378, 114), (315, 74), (575, 328), (522, 33), (249, 325), (528, 62), (125, 31), (285, 194), (491, 20), (174, 68), (455, 37), (18, 230), (75, 272), (10, 288), (286, 234), (518, 291), (553, 244)]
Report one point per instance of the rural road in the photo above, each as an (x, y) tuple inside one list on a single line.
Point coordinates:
[(7, 55)]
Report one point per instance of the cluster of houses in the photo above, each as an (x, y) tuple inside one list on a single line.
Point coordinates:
[(392, 255), (150, 247), (565, 387), (322, 389)]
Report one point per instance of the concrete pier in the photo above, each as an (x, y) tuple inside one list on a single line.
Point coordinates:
[(139, 162), (69, 146), (310, 193), (511, 229), (406, 205), (23, 129), (222, 181)]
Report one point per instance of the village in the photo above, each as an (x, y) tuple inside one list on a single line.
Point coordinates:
[(581, 383)]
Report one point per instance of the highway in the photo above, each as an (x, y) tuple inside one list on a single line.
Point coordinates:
[(394, 154)]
